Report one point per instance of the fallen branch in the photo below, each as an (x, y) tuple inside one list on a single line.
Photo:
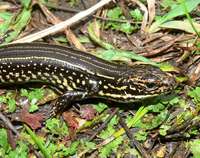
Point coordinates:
[(62, 25)]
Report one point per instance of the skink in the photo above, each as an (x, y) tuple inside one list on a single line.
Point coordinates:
[(80, 75)]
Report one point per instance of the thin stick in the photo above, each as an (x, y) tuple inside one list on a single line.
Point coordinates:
[(103, 126), (62, 25), (8, 123), (133, 142)]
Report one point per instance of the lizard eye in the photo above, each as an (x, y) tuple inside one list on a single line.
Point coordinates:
[(151, 86)]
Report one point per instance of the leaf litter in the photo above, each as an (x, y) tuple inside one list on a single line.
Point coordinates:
[(162, 33)]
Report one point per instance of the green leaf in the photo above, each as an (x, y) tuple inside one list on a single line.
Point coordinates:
[(194, 131), (84, 39), (189, 17), (167, 67), (7, 99), (7, 17), (158, 120), (100, 107), (110, 128), (174, 101), (37, 93), (136, 14), (24, 92), (38, 142), (195, 94), (183, 25), (61, 39), (168, 3), (156, 107), (183, 104), (137, 117), (111, 147), (176, 11), (114, 13), (119, 55), (126, 28), (96, 39), (73, 2), (163, 129), (194, 147), (182, 117), (3, 139), (155, 121), (26, 3), (33, 108), (11, 105), (57, 127), (141, 135), (87, 145), (18, 25), (52, 148), (3, 99), (33, 96), (71, 150), (181, 79), (21, 151)]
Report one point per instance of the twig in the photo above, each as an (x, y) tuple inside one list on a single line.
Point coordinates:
[(95, 16), (62, 25), (165, 47), (66, 9), (105, 123), (84, 5), (195, 75), (145, 16), (117, 20), (151, 10), (8, 124), (124, 9), (69, 34), (134, 143), (152, 38), (183, 127)]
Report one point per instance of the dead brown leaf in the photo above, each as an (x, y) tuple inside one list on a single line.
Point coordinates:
[(33, 120)]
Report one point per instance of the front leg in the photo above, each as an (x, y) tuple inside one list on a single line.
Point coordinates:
[(45, 112), (67, 99), (72, 96)]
